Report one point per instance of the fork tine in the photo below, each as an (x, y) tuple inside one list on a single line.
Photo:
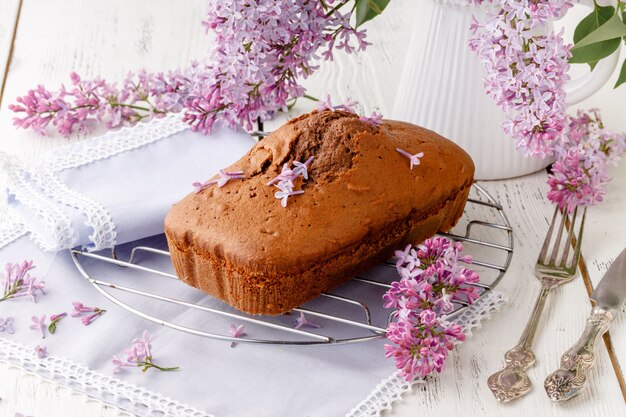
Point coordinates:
[(557, 243), (546, 243), (579, 239), (572, 224)]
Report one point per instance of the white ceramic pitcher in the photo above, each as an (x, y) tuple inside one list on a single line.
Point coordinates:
[(441, 89)]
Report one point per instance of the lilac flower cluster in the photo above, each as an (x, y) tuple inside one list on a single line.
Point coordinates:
[(284, 180), (580, 173), (431, 280), (224, 177), (139, 354), (261, 50), (85, 103), (19, 283), (526, 72)]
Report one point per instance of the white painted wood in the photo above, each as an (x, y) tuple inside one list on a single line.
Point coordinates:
[(462, 389), (603, 245), (109, 38), (29, 394), (8, 18)]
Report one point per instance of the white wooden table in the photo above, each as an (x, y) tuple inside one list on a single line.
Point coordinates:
[(41, 42)]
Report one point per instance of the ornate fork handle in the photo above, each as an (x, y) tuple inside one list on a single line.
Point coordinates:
[(570, 379), (512, 381)]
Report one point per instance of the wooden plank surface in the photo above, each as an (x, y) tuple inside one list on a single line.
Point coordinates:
[(108, 39), (8, 20), (603, 245)]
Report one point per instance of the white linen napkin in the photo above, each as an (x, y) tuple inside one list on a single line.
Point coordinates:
[(118, 187)]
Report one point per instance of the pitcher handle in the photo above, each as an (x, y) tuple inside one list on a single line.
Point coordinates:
[(584, 87)]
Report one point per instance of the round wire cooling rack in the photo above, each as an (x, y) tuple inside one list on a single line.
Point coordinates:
[(147, 287)]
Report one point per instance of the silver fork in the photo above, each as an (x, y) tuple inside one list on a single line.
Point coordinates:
[(551, 270)]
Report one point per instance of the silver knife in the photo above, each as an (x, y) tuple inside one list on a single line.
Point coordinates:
[(570, 379)]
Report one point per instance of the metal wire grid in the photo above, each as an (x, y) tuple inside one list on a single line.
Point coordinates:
[(304, 337)]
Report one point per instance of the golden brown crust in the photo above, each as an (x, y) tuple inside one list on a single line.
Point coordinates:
[(360, 203)]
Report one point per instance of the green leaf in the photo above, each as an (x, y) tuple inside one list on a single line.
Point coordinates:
[(622, 76), (590, 23), (614, 28), (52, 327), (593, 53), (368, 9)]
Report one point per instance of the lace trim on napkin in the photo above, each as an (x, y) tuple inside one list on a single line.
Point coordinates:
[(391, 389), (147, 403), (59, 225), (98, 218), (127, 396), (113, 143), (11, 228)]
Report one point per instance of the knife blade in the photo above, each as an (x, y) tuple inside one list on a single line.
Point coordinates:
[(611, 290), (571, 378)]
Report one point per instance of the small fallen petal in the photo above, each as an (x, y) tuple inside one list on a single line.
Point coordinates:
[(302, 322), (42, 351)]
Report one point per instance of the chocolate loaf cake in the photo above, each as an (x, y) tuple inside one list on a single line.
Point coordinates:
[(361, 200)]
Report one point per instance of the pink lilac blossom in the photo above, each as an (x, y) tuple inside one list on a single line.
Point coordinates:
[(526, 71), (223, 179), (42, 351), (54, 320), (579, 175), (414, 159), (39, 324), (139, 354), (236, 331), (260, 52), (302, 321), (6, 324), (17, 282), (284, 180), (285, 191), (431, 280), (80, 310), (374, 120), (86, 103)]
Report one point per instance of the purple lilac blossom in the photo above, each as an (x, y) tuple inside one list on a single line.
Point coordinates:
[(374, 120), (223, 179), (580, 174), (526, 71), (284, 180), (85, 103), (39, 324), (260, 52), (81, 310), (17, 282), (431, 280), (6, 324), (139, 354), (413, 159), (236, 331), (42, 351), (302, 321)]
